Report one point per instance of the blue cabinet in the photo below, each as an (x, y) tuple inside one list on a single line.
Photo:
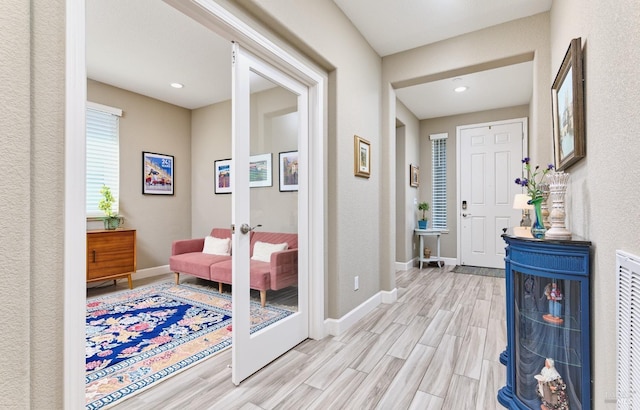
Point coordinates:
[(548, 334)]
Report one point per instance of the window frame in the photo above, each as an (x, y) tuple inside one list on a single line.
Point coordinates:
[(105, 121), (439, 180)]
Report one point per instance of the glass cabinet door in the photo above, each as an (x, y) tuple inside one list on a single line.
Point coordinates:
[(548, 336)]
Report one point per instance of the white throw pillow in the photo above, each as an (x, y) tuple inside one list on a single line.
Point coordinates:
[(262, 250), (216, 246)]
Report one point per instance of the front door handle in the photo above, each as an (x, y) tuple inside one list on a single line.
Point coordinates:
[(465, 215)]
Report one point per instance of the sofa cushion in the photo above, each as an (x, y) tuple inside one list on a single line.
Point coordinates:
[(217, 246), (262, 250), (196, 263), (260, 274)]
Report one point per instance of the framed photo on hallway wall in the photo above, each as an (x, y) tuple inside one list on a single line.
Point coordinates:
[(157, 174), (568, 109), (414, 175), (362, 157)]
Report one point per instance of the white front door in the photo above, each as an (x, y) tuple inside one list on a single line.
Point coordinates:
[(270, 125), (489, 161)]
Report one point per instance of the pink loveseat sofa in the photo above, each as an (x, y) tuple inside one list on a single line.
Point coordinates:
[(280, 272)]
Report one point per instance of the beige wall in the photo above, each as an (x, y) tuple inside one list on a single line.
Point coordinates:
[(196, 139), (210, 141), (274, 131), (448, 242), (152, 126), (519, 40), (355, 240), (407, 152), (32, 101), (602, 198)]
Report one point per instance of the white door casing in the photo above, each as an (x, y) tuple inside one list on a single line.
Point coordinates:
[(489, 161), (251, 352)]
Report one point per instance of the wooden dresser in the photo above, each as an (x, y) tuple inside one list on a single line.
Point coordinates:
[(111, 254)]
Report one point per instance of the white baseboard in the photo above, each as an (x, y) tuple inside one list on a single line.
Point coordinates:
[(336, 327), (405, 265), (149, 272), (389, 297), (415, 262)]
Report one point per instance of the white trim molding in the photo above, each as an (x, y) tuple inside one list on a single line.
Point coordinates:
[(336, 327)]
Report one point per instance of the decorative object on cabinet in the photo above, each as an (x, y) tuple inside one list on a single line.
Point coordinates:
[(362, 157), (537, 229), (547, 324), (260, 171), (157, 174), (288, 164), (414, 175), (544, 187), (554, 295), (521, 201), (551, 387), (532, 180), (111, 219), (568, 108), (222, 176), (111, 254), (558, 188), (423, 222)]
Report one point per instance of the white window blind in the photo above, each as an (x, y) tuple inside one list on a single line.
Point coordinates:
[(439, 180), (103, 155)]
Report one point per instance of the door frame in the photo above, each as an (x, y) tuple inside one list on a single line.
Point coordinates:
[(252, 352), (230, 26), (459, 129)]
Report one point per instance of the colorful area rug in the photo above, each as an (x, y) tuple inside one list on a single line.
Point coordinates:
[(137, 338), (478, 270)]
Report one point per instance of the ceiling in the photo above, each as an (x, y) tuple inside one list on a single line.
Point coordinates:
[(129, 46)]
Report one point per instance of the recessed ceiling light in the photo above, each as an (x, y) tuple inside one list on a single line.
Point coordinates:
[(177, 85), (461, 89)]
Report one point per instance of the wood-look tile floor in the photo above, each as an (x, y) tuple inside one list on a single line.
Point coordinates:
[(437, 347)]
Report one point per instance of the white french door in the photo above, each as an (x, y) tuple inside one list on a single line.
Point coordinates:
[(489, 162), (269, 118)]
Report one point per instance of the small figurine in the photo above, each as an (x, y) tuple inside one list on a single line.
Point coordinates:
[(551, 388), (554, 296)]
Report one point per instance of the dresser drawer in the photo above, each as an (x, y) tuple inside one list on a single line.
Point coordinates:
[(110, 253)]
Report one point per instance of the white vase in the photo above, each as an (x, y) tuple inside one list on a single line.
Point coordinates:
[(557, 191)]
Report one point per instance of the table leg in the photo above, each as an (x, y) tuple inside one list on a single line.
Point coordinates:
[(421, 250), (438, 246)]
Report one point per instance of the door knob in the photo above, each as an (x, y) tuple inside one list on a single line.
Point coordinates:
[(465, 215), (245, 228)]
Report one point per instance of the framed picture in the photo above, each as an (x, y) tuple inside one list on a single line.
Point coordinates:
[(222, 176), (157, 174), (568, 109), (414, 174), (260, 170), (288, 164), (362, 157)]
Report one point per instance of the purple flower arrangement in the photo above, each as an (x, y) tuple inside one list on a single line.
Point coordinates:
[(533, 178)]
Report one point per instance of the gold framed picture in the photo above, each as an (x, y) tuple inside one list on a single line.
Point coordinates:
[(414, 175), (362, 157), (568, 109)]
